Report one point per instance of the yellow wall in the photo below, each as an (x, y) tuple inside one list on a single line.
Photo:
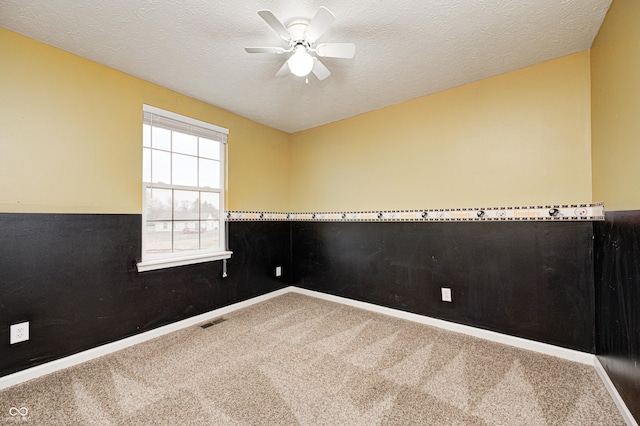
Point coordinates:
[(615, 74), (514, 139), (70, 137)]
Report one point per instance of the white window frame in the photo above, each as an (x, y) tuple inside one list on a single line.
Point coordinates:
[(167, 260)]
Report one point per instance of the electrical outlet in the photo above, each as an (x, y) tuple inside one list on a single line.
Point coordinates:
[(19, 332), (446, 294), (278, 271)]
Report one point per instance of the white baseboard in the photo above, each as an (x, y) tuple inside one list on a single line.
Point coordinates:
[(569, 354), (71, 360), (622, 407)]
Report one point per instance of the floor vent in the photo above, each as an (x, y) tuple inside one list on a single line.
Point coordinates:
[(214, 322)]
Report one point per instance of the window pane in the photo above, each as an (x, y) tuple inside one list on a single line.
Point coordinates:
[(186, 205), (210, 205), (161, 138), (160, 166), (158, 237), (210, 234), (146, 135), (185, 170), (209, 149), (209, 174), (186, 236), (158, 204), (185, 144), (146, 165)]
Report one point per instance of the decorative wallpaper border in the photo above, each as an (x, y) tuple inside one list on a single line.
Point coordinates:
[(565, 212)]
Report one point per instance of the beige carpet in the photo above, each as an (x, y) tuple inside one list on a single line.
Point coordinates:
[(300, 360)]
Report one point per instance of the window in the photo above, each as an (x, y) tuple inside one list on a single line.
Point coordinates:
[(183, 177)]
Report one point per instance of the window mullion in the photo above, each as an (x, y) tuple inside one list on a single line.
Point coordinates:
[(173, 220), (159, 185)]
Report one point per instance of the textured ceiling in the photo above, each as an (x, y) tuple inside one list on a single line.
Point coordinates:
[(405, 48)]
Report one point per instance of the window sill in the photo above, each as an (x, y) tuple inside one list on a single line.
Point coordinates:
[(150, 265)]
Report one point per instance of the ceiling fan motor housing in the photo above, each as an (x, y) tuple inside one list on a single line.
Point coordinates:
[(296, 30)]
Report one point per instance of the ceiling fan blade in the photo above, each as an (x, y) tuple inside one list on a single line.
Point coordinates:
[(319, 24), (278, 50), (284, 70), (275, 23), (336, 50), (319, 70)]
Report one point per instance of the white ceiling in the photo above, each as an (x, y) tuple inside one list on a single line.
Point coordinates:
[(405, 48)]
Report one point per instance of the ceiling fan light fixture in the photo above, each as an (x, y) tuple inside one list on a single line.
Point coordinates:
[(300, 63)]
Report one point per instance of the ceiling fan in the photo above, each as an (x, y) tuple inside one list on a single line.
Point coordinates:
[(302, 36)]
